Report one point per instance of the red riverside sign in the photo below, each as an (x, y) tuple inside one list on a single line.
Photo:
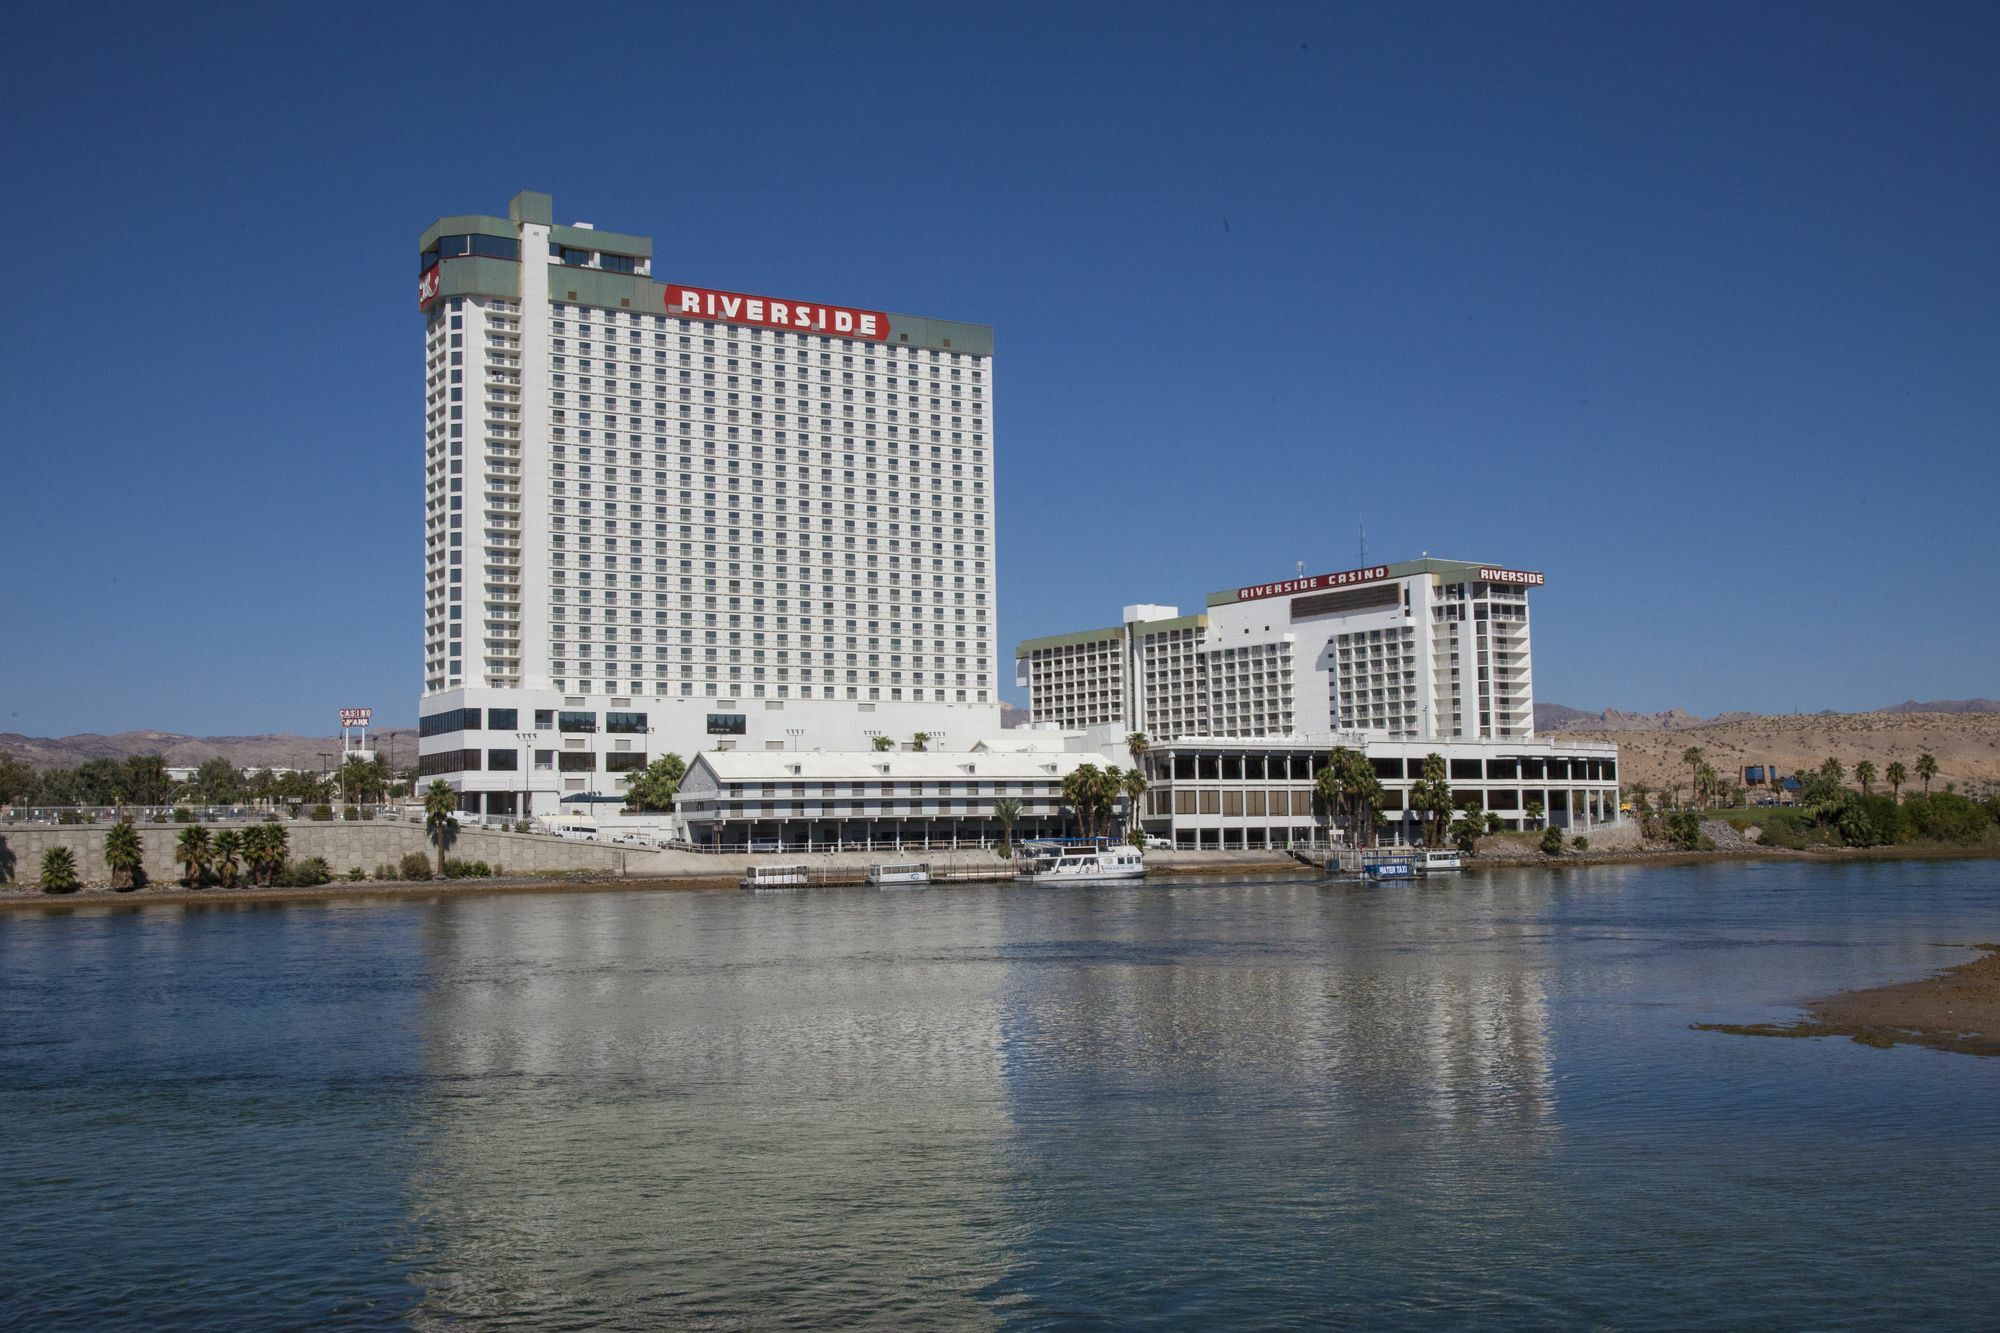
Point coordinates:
[(771, 313), (427, 286), (1313, 583), (1530, 578)]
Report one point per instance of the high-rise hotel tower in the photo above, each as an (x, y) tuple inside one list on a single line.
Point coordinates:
[(664, 517)]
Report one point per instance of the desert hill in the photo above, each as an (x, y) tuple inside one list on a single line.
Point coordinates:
[(1967, 744), (265, 751)]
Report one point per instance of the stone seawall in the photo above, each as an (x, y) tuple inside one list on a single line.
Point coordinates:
[(366, 844)]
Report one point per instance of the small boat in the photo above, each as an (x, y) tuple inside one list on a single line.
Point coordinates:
[(1086, 867), (898, 874), (1441, 862), (775, 877)]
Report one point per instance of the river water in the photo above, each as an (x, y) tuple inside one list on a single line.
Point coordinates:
[(1254, 1104)]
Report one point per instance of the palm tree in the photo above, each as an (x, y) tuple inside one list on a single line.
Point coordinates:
[(1927, 769), (1534, 813), (192, 851), (1136, 745), (264, 847), (1366, 794), (883, 743), (1330, 784), (919, 741), (1896, 775), (1693, 757), (124, 855), (1007, 811), (1135, 784), (1864, 773), (59, 871), (440, 804), (1432, 795), (1104, 796), (227, 847)]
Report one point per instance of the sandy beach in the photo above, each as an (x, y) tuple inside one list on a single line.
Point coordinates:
[(1956, 1010)]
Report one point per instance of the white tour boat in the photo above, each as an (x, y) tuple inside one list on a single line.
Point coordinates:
[(1086, 867), (776, 877), (1441, 862), (896, 875)]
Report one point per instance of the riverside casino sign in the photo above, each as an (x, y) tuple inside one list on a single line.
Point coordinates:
[(769, 312), (1312, 583), (1523, 578)]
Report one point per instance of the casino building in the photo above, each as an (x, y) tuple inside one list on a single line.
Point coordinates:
[(1422, 650), (1241, 704), (662, 517)]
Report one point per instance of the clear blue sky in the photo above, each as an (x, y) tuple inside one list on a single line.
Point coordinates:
[(1696, 308)]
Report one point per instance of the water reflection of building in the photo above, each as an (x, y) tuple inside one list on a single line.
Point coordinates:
[(1264, 1072), (659, 1106)]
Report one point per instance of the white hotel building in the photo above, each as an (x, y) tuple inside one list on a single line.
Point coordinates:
[(669, 518), (1241, 704)]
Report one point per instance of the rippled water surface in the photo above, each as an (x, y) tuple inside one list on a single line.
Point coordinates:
[(1281, 1103)]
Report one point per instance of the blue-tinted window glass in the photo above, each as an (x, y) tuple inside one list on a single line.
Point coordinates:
[(496, 247)]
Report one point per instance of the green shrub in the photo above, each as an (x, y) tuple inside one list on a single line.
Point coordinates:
[(59, 871), (350, 813), (1683, 829), (306, 874), (457, 869), (183, 815), (1581, 843), (414, 865), (322, 812), (384, 872), (1552, 842), (368, 813), (1944, 817), (69, 817), (355, 874)]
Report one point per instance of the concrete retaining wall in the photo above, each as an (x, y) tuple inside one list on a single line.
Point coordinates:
[(366, 844)]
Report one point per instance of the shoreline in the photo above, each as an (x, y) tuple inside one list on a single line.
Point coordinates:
[(1955, 1010), (15, 897)]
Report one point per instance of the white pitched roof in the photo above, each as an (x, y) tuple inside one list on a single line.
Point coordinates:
[(909, 765)]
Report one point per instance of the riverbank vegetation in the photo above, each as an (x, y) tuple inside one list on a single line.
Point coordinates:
[(144, 780)]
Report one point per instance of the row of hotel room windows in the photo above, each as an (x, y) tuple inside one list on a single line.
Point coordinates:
[(1257, 803), (1186, 767), (507, 719), (509, 761)]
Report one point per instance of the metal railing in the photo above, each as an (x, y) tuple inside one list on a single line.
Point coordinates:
[(170, 815)]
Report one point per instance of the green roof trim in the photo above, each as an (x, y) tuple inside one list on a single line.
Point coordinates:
[(532, 206), (590, 238), (1065, 640), (476, 275), (612, 291), (1448, 571), (465, 224), (1167, 626)]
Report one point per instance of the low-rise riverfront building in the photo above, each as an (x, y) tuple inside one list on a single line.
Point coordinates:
[(1237, 792), (746, 798)]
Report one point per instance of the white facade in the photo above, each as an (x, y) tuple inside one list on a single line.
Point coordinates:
[(1424, 650), (738, 799), (1251, 792), (642, 500)]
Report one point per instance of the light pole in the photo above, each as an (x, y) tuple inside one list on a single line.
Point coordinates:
[(527, 792)]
